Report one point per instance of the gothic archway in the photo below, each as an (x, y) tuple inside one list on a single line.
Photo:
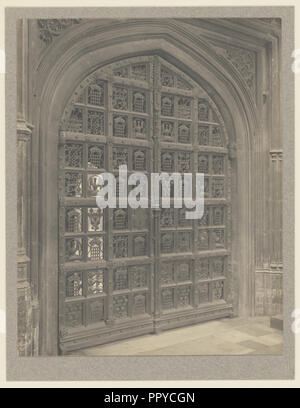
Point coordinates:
[(78, 63)]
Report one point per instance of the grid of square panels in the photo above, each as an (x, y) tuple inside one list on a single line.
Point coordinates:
[(174, 217), (86, 297), (85, 313), (86, 294), (130, 244), (130, 219), (137, 71), (213, 166), (214, 215), (210, 133), (84, 234), (130, 126), (175, 280), (88, 114), (182, 115), (171, 80), (211, 239), (131, 291), (82, 163), (176, 112), (178, 106), (176, 131), (212, 228), (86, 283), (135, 158), (123, 111), (131, 108), (176, 161), (210, 276), (172, 239)]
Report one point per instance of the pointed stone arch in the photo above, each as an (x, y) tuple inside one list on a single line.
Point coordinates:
[(89, 47)]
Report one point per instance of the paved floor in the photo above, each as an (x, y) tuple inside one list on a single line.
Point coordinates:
[(235, 336)]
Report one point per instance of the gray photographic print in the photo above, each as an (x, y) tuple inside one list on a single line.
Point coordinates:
[(149, 178)]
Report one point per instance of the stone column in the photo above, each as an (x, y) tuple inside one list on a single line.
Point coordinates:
[(274, 281), (268, 288), (27, 330)]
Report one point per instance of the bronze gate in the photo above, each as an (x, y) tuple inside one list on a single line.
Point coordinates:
[(126, 272)]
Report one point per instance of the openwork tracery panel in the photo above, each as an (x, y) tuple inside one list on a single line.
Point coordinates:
[(119, 265)]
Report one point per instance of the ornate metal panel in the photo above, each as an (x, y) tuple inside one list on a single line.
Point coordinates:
[(125, 268)]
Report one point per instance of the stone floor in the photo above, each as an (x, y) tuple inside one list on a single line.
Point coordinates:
[(235, 336)]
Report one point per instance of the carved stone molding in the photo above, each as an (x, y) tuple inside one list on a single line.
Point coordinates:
[(24, 130), (52, 28), (278, 267), (244, 61), (23, 267), (276, 155)]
